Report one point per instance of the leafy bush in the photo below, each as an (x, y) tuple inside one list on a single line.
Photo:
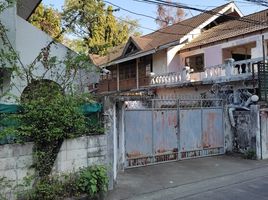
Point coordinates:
[(250, 154), (91, 181)]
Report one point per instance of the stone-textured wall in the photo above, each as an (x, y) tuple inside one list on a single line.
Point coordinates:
[(81, 152), (15, 159)]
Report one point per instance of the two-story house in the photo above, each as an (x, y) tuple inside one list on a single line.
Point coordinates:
[(170, 86), (190, 52)]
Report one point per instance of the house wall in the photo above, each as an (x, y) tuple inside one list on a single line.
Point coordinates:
[(160, 62), (28, 41), (173, 59), (213, 55), (16, 159), (8, 18)]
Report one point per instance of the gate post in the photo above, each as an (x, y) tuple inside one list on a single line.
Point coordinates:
[(255, 137), (153, 144), (178, 130)]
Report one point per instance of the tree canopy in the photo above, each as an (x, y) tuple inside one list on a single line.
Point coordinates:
[(48, 20), (87, 26), (93, 21)]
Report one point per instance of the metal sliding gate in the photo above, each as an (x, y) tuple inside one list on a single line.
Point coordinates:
[(170, 130)]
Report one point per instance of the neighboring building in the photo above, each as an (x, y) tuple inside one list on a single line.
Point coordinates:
[(28, 41), (193, 51), (185, 91)]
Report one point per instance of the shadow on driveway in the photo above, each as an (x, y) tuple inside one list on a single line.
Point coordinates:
[(182, 178)]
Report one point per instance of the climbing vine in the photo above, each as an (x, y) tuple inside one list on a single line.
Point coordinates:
[(50, 110)]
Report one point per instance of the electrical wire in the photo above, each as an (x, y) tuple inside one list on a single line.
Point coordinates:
[(211, 12), (258, 2), (150, 29), (139, 14)]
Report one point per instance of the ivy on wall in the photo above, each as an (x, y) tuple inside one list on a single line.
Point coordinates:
[(50, 111)]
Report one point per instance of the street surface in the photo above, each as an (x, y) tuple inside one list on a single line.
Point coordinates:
[(217, 178)]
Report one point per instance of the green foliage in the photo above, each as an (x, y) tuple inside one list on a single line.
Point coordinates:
[(5, 187), (96, 24), (48, 20), (250, 154), (48, 120), (90, 181), (93, 180)]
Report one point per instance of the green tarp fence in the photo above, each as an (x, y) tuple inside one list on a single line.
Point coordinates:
[(9, 108), (86, 108), (90, 110), (5, 122)]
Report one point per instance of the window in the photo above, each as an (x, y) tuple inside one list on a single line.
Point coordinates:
[(195, 62), (145, 66), (127, 70)]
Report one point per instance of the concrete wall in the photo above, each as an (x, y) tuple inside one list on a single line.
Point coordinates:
[(28, 41), (160, 62), (264, 132), (109, 109), (16, 159)]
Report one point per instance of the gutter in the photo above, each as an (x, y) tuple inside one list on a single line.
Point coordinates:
[(129, 58)]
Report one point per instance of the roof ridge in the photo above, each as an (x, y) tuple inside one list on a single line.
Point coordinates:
[(181, 22)]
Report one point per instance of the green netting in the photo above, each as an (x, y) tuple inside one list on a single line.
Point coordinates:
[(91, 111), (9, 108), (91, 108)]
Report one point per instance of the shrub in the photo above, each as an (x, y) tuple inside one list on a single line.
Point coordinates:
[(250, 154), (93, 180), (90, 181)]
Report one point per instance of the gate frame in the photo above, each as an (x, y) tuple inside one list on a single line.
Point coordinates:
[(151, 159)]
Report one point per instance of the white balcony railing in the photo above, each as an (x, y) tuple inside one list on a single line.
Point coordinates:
[(225, 72)]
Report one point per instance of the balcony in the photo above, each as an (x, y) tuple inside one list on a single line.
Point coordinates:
[(230, 71)]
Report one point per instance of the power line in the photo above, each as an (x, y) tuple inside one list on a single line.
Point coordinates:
[(150, 29), (258, 2), (211, 12), (139, 14)]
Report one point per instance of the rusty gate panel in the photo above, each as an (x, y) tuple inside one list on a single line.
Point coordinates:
[(190, 130), (213, 136), (138, 137), (165, 135), (168, 130)]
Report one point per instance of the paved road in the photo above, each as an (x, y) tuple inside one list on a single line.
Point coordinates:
[(217, 178)]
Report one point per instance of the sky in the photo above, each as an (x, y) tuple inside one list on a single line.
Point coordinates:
[(147, 9)]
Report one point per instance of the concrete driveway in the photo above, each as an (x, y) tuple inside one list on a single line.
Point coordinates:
[(221, 177)]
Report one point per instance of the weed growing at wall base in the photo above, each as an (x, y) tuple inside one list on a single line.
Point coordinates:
[(91, 181)]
